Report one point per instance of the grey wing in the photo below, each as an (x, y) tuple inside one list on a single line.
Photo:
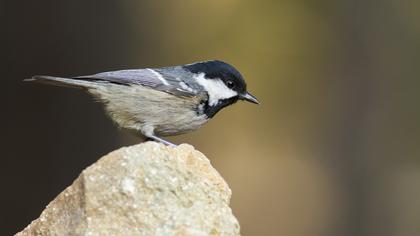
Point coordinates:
[(146, 77)]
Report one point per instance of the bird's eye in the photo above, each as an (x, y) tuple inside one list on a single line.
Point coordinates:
[(230, 84)]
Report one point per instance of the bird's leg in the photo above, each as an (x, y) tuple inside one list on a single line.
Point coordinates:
[(155, 138), (148, 131)]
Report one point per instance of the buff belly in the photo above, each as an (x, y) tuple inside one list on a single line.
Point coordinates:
[(149, 111)]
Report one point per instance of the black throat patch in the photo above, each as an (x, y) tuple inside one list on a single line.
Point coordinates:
[(211, 111)]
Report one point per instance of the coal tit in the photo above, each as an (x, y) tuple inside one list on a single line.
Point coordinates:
[(162, 101)]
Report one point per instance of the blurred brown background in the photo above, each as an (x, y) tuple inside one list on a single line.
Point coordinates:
[(334, 148)]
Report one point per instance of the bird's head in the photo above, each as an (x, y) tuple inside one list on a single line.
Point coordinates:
[(222, 82)]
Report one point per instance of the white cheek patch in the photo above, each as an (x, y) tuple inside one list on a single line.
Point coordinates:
[(216, 89)]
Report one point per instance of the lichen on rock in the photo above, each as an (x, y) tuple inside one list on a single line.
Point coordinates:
[(146, 189)]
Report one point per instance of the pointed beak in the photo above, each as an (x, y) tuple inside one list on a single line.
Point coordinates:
[(249, 97)]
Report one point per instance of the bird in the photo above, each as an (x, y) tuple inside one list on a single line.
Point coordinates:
[(165, 101)]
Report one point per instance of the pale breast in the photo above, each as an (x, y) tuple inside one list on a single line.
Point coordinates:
[(135, 107)]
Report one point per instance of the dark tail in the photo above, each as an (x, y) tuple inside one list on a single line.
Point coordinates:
[(63, 82)]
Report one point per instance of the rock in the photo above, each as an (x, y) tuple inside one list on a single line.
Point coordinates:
[(146, 189)]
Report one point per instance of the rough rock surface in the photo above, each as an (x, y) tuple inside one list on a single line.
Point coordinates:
[(146, 189)]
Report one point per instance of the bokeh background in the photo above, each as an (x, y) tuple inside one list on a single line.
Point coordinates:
[(334, 148)]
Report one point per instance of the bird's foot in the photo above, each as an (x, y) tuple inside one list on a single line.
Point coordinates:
[(160, 140)]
